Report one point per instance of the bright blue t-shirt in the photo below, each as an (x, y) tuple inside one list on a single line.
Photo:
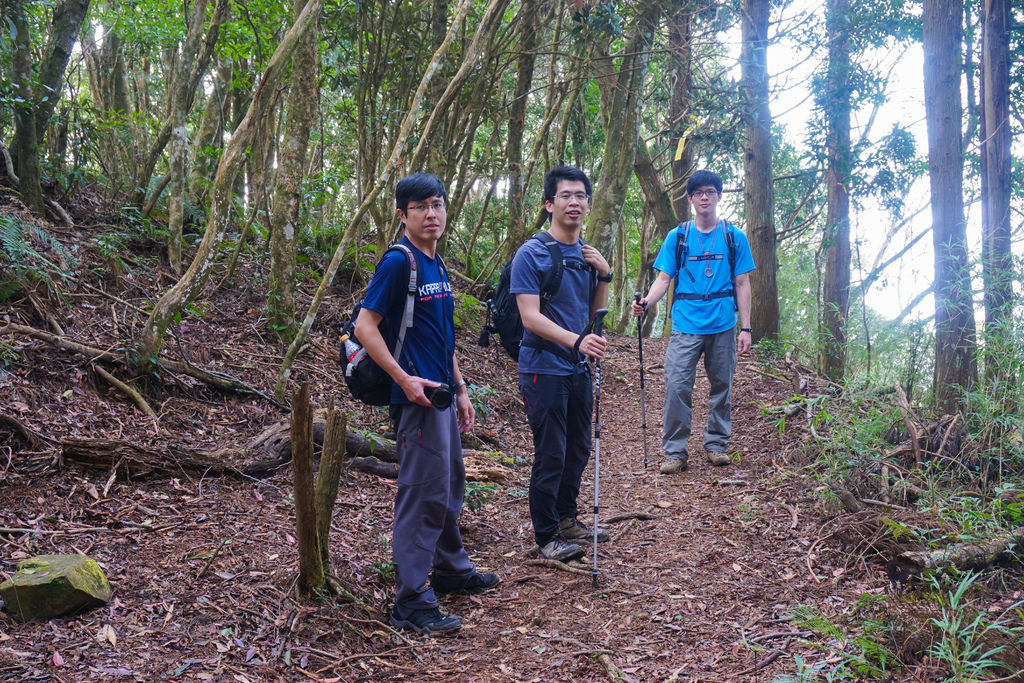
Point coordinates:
[(430, 342), (708, 262), (569, 308)]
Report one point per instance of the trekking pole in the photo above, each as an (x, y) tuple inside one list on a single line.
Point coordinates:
[(643, 398), (598, 327)]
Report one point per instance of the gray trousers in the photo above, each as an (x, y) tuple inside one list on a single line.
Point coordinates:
[(681, 357), (431, 481)]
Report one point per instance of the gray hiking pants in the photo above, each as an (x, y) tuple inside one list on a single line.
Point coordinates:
[(681, 357), (431, 481)]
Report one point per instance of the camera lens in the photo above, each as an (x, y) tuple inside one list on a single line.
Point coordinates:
[(440, 396)]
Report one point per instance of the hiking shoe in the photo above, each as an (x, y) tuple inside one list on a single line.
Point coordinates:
[(673, 465), (574, 530), (718, 458), (469, 585), (428, 620), (561, 550)]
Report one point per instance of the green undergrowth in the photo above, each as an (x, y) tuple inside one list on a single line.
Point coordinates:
[(962, 486)]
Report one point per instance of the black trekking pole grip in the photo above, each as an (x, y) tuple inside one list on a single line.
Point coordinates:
[(599, 321)]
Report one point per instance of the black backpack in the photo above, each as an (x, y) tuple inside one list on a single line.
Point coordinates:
[(503, 312), (683, 252), (364, 378)]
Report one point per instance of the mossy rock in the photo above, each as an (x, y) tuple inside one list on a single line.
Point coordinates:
[(51, 586)]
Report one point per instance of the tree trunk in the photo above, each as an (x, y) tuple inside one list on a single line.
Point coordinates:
[(836, 290), (758, 191), (621, 99), (191, 283), (528, 16), (680, 33), (998, 257), (67, 22), (311, 569), (302, 102), (25, 146), (192, 63), (955, 366), (209, 140)]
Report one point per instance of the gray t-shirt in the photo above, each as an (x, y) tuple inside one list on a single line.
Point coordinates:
[(569, 307)]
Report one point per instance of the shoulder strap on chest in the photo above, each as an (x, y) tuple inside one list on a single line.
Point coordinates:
[(410, 296), (553, 278), (683, 251)]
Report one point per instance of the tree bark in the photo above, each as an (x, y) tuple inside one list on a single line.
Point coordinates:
[(955, 366), (311, 569), (301, 112), (528, 17), (327, 479), (680, 34), (25, 146), (192, 282), (997, 264), (836, 289), (67, 22), (621, 99), (974, 556), (758, 191)]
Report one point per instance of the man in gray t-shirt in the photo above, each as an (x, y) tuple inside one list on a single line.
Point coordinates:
[(554, 378)]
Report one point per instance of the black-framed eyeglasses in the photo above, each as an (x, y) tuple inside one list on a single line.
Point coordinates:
[(581, 197)]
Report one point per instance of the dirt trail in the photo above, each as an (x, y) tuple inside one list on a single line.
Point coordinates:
[(703, 590)]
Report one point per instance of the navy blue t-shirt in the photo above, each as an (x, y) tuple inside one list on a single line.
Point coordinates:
[(430, 342), (569, 308)]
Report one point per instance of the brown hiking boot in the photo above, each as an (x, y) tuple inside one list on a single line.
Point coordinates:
[(575, 531), (673, 465), (718, 458)]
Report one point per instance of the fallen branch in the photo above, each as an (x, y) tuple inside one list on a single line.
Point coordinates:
[(138, 460), (387, 470), (614, 519), (613, 672), (135, 396), (555, 564), (909, 564)]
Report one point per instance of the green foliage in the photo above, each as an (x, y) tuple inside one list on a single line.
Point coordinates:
[(470, 312), (29, 256), (967, 634), (479, 395), (477, 494)]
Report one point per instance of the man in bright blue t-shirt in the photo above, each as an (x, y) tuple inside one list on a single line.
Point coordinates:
[(427, 544), (705, 302)]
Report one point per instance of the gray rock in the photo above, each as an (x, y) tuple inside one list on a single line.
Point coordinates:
[(51, 586)]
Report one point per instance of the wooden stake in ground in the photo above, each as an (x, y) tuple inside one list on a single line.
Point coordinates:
[(327, 481), (311, 569)]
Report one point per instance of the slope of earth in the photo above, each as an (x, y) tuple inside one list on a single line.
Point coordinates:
[(699, 581)]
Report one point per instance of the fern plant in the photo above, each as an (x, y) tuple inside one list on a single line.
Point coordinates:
[(22, 259)]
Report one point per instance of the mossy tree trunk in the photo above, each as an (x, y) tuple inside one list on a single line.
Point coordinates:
[(301, 112)]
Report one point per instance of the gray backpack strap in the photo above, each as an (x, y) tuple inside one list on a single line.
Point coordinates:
[(410, 299)]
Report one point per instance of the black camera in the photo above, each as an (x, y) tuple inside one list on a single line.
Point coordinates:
[(440, 396)]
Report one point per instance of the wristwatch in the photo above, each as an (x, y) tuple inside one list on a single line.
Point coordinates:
[(605, 278), (746, 329), (458, 385)]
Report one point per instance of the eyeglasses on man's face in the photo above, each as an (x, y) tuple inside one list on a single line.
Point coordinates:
[(437, 206), (700, 194), (581, 197)]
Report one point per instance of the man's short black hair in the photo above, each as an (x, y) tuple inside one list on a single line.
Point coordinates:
[(559, 173), (703, 179), (416, 187)]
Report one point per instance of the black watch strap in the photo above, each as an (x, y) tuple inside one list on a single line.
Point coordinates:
[(605, 278)]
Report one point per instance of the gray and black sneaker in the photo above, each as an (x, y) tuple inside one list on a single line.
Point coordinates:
[(469, 585), (574, 530), (561, 550), (423, 620)]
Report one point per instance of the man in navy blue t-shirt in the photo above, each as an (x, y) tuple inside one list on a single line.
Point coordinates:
[(426, 544), (554, 377), (704, 307)]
